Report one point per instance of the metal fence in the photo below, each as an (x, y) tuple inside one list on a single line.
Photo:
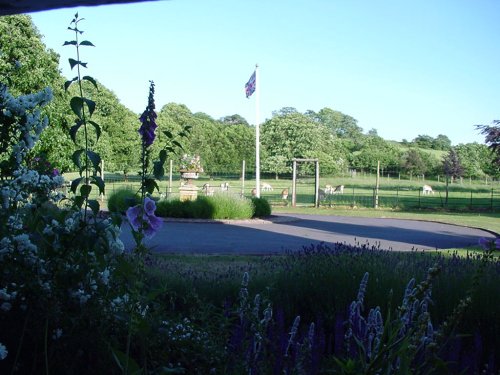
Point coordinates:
[(459, 197)]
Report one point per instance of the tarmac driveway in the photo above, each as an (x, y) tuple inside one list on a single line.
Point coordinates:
[(293, 232)]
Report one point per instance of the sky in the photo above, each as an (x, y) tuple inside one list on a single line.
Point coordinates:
[(404, 68)]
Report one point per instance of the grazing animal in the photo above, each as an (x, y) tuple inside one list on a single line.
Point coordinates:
[(254, 192), (266, 187), (224, 186), (329, 189), (427, 189), (284, 194), (339, 189), (208, 190)]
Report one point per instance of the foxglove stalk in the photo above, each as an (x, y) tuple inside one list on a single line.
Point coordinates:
[(148, 119)]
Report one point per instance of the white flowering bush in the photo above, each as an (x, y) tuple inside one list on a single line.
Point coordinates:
[(63, 273)]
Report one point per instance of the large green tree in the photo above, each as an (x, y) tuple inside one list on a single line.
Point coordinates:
[(26, 65), (375, 149), (289, 135)]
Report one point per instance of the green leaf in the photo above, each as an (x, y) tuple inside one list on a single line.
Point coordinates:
[(76, 104), (150, 185), (99, 182), (125, 363), (75, 183), (74, 130), (95, 159), (163, 156), (168, 134), (177, 144), (97, 129), (91, 80), (158, 170), (72, 62), (70, 43), (67, 84), (94, 206), (86, 43), (76, 157), (85, 190), (79, 200), (91, 105)]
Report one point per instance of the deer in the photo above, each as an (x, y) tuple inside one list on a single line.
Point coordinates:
[(284, 194), (427, 189), (329, 189), (208, 190), (339, 189), (266, 187)]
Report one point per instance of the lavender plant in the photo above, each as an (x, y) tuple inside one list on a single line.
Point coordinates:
[(394, 346)]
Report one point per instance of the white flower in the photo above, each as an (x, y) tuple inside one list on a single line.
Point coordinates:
[(57, 333), (3, 351), (105, 276)]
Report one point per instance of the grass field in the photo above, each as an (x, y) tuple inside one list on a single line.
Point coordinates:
[(398, 198)]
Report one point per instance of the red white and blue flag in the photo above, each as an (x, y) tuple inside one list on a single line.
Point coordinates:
[(250, 86)]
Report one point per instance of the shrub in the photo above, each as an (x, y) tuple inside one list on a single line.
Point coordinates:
[(121, 199), (220, 206), (228, 206), (261, 207)]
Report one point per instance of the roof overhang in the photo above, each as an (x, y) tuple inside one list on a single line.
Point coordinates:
[(27, 6)]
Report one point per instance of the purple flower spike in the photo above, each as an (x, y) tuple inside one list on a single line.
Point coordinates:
[(148, 119), (497, 243)]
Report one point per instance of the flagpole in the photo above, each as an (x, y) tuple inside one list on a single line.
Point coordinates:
[(257, 131)]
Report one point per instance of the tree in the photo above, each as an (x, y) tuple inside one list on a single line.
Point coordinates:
[(295, 135), (492, 138), (476, 159), (452, 165), (276, 164), (26, 65), (414, 162), (285, 111), (341, 125), (442, 142), (234, 120), (424, 141), (376, 149), (452, 168)]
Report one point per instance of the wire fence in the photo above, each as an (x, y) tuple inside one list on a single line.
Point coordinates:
[(391, 194)]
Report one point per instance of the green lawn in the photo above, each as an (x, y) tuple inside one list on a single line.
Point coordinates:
[(393, 191)]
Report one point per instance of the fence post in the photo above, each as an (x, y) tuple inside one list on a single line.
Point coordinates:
[(243, 179), (491, 205), (170, 178)]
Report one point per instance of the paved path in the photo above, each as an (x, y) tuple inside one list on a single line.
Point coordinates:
[(292, 232)]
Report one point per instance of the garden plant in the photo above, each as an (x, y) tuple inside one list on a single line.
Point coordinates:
[(72, 301)]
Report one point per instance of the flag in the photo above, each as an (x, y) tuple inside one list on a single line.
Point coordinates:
[(250, 86)]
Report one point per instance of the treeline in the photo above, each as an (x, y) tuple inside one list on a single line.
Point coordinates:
[(26, 65)]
